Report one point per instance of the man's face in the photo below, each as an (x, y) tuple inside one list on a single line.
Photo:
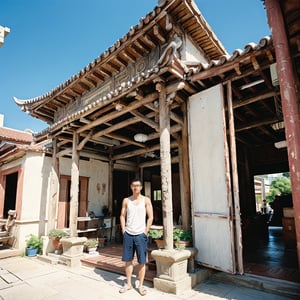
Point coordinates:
[(136, 186)]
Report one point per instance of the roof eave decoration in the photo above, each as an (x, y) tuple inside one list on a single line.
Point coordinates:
[(168, 56), (33, 105)]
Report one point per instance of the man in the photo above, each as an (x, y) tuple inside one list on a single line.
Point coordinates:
[(135, 229)]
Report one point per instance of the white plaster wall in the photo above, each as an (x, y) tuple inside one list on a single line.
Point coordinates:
[(97, 172), (36, 185), (193, 53), (31, 219)]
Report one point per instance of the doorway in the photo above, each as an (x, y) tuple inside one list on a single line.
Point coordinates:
[(64, 200), (121, 189), (11, 184), (269, 237)]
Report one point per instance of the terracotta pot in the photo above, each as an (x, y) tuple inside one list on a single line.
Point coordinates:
[(182, 244), (160, 244), (57, 244)]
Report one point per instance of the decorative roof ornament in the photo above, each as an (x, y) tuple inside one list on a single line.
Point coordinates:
[(169, 52)]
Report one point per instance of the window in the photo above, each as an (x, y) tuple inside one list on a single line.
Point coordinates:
[(157, 195)]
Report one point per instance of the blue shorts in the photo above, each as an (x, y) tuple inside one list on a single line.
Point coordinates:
[(135, 243)]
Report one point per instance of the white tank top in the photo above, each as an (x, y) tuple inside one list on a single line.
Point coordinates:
[(136, 217)]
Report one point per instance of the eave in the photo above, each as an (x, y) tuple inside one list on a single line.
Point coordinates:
[(153, 30)]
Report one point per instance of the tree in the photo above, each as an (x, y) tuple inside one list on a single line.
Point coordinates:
[(279, 186)]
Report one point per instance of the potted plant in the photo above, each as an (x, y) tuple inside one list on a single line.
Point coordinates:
[(56, 235), (91, 246), (157, 236), (34, 245), (182, 238)]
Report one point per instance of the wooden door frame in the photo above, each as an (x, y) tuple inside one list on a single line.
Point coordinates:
[(63, 209)]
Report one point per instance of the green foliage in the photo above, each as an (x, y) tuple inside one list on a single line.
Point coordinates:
[(182, 235), (34, 242), (57, 233), (91, 243), (156, 233), (279, 186)]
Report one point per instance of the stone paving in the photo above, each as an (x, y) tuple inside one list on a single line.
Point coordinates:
[(31, 278)]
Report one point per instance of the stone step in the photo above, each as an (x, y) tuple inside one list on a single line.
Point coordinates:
[(268, 285)]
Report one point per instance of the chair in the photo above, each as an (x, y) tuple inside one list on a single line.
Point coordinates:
[(5, 229)]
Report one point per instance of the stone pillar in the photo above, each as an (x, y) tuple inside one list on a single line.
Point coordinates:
[(171, 270), (74, 187), (166, 167), (72, 250), (54, 189)]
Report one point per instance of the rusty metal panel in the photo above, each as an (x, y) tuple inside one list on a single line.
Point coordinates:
[(210, 180)]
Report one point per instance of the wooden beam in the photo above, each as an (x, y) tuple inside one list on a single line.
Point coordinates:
[(85, 140), (140, 151), (116, 114), (145, 120), (255, 99), (125, 139), (64, 152)]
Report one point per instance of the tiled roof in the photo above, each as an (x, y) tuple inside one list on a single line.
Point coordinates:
[(12, 135), (236, 55), (178, 9)]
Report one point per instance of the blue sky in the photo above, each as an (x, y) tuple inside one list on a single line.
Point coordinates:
[(50, 41)]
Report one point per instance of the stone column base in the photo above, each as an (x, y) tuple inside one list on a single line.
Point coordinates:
[(72, 262), (171, 271), (72, 251), (73, 246), (174, 287)]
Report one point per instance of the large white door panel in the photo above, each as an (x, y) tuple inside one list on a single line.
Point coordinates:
[(212, 239), (210, 180)]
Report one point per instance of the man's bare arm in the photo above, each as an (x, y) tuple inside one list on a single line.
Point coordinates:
[(123, 214), (149, 212)]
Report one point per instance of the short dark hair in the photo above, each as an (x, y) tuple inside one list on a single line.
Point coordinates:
[(134, 180)]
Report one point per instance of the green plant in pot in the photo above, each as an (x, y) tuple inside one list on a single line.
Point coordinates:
[(91, 245), (56, 235), (157, 236), (34, 245), (182, 238)]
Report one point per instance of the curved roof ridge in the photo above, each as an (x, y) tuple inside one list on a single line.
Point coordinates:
[(132, 31), (108, 97)]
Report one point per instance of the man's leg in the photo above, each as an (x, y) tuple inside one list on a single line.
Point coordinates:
[(128, 271), (127, 257), (142, 271), (141, 247)]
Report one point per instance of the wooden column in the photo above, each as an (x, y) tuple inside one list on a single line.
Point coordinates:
[(54, 188), (235, 182), (74, 187), (165, 158), (290, 109), (110, 185), (184, 173)]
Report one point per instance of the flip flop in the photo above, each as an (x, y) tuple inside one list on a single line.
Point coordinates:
[(142, 291), (125, 288)]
